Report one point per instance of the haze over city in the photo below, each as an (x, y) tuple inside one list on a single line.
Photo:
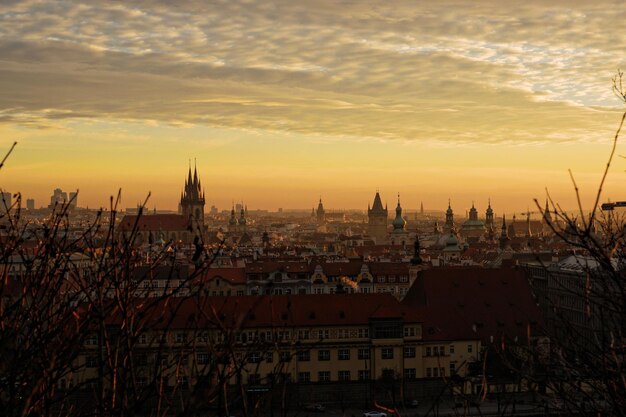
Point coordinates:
[(281, 103)]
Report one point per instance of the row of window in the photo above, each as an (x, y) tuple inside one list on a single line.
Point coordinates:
[(302, 356), (320, 334), (441, 350), (342, 375), (437, 372)]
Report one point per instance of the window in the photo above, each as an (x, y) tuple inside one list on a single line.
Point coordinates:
[(239, 292), (304, 377), (392, 278), (91, 362), (392, 330), (323, 355), (255, 357), (269, 358), (381, 278), (404, 278), (343, 354), (202, 358), (428, 351), (323, 334), (364, 375), (409, 351), (387, 353), (143, 339), (442, 350), (469, 348), (410, 373), (451, 349), (202, 337), (364, 333), (284, 335), (285, 356), (364, 353), (409, 331), (254, 379), (323, 376), (429, 372), (304, 356), (303, 334), (91, 340), (442, 371), (435, 372), (452, 368), (180, 337), (344, 375)]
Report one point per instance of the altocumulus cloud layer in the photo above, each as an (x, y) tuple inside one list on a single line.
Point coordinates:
[(475, 71)]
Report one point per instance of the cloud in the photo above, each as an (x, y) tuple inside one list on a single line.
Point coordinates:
[(449, 72)]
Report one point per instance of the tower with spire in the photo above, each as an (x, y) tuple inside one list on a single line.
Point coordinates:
[(377, 219), (547, 220), (505, 240), (399, 235), (242, 222), (449, 217), (232, 221), (489, 216), (529, 232), (192, 199), (321, 213), (398, 223)]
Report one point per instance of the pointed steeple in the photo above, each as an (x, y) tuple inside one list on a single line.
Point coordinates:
[(489, 214), (398, 223), (449, 216), (188, 183), (504, 236), (546, 213), (378, 204)]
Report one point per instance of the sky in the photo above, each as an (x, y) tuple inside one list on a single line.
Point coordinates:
[(282, 102)]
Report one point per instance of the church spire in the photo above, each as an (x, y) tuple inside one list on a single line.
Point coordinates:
[(504, 236)]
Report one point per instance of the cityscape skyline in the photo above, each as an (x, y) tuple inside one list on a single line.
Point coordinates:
[(280, 103)]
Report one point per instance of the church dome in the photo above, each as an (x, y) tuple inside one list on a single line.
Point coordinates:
[(398, 223)]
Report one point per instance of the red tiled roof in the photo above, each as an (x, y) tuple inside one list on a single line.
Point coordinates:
[(332, 269), (270, 266), (232, 275), (469, 302), (155, 222), (386, 268), (276, 310)]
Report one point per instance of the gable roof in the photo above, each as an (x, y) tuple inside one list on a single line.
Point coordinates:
[(274, 311), (469, 302)]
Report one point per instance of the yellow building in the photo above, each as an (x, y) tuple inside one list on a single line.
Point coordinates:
[(300, 338)]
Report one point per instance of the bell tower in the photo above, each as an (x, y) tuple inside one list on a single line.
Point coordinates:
[(192, 200), (377, 220)]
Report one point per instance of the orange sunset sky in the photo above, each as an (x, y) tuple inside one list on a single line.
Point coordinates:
[(281, 102)]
